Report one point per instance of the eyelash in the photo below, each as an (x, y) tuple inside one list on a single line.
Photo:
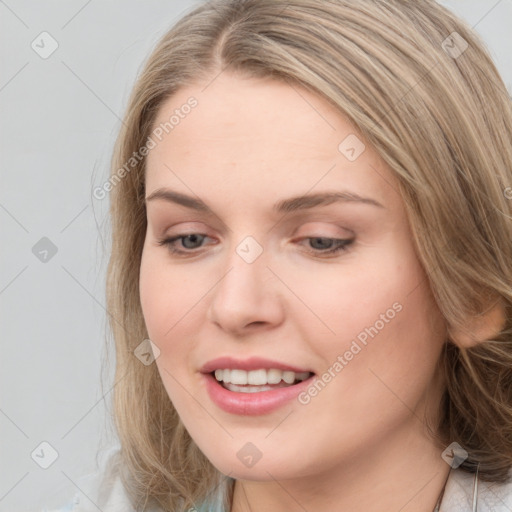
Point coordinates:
[(341, 245)]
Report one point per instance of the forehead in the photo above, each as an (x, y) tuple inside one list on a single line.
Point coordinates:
[(264, 134), (260, 113)]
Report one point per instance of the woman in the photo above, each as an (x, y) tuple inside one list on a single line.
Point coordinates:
[(311, 215)]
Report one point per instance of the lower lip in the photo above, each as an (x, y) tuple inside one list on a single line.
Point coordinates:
[(252, 404)]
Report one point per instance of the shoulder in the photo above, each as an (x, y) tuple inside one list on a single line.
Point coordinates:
[(102, 490), (490, 496)]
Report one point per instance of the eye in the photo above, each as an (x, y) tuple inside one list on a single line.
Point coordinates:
[(320, 246), (328, 246), (189, 241)]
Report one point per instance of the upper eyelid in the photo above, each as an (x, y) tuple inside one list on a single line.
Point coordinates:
[(299, 216), (300, 220)]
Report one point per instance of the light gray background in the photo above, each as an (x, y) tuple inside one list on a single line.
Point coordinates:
[(59, 117)]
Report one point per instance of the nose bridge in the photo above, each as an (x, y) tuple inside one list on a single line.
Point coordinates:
[(245, 293), (244, 279)]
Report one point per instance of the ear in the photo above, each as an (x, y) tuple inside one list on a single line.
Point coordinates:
[(480, 328)]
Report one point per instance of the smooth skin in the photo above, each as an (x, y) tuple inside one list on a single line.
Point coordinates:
[(361, 443)]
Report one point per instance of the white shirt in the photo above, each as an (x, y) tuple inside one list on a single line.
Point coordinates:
[(103, 490)]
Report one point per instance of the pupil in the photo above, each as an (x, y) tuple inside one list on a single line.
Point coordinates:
[(192, 238), (326, 245)]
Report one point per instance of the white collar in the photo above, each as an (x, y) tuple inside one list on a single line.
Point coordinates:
[(491, 496)]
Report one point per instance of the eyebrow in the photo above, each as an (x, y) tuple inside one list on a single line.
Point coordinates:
[(290, 205)]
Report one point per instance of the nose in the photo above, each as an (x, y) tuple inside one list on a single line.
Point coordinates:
[(247, 297)]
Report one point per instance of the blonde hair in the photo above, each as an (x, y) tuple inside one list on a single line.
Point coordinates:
[(441, 119)]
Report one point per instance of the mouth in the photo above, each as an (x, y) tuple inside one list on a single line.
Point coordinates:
[(257, 381), (256, 391), (253, 386)]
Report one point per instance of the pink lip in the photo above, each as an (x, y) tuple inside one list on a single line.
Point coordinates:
[(252, 404), (253, 363)]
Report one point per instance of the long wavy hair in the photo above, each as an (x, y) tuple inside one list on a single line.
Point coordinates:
[(435, 108)]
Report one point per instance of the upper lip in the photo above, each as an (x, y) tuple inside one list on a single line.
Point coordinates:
[(253, 363)]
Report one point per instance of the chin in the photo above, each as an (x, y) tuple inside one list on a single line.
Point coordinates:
[(259, 472)]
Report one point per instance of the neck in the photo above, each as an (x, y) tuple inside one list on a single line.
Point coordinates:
[(406, 473)]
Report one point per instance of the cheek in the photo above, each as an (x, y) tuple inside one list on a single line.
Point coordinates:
[(381, 304), (390, 338), (168, 296), (167, 300), (345, 299), (154, 301), (174, 306)]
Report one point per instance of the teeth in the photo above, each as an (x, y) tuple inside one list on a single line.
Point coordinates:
[(289, 377), (274, 376), (259, 377), (239, 377)]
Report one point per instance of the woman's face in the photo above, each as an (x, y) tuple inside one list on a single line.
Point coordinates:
[(257, 286)]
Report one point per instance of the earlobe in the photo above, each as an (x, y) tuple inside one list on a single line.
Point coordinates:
[(480, 328)]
